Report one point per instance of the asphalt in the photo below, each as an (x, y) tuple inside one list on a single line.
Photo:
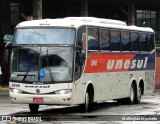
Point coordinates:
[(4, 92)]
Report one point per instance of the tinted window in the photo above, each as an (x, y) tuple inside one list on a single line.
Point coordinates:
[(81, 38), (143, 42), (115, 40), (80, 53), (151, 41), (134, 41), (104, 43), (93, 39), (125, 41)]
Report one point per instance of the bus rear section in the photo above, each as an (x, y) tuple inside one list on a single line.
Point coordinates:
[(120, 64)]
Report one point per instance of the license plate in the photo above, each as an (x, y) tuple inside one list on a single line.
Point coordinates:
[(37, 99)]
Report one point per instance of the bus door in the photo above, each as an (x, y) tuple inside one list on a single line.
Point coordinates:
[(80, 57)]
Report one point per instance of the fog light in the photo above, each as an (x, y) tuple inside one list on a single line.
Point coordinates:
[(68, 99)]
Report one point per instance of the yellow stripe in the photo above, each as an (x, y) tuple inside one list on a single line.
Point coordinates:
[(4, 88)]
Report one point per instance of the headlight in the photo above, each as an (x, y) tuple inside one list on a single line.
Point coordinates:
[(65, 91), (15, 90)]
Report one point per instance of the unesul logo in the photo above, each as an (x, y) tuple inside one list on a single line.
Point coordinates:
[(126, 64)]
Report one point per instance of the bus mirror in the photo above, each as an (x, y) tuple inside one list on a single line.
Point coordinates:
[(78, 48), (81, 61), (80, 57), (6, 55), (8, 45)]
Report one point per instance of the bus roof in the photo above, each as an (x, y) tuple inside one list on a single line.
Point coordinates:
[(79, 21)]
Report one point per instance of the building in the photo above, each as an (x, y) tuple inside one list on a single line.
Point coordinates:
[(134, 12)]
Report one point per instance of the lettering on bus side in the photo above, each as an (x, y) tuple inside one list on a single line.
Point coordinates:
[(15, 85), (126, 64), (93, 62), (45, 86)]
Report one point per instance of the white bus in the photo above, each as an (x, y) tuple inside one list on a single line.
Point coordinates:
[(80, 61)]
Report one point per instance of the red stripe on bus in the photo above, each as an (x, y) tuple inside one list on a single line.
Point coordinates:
[(108, 62)]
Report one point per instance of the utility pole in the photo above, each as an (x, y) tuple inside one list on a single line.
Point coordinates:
[(131, 12), (37, 9), (84, 8)]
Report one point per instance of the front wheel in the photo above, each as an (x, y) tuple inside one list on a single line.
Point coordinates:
[(132, 97), (34, 108), (87, 97), (87, 106)]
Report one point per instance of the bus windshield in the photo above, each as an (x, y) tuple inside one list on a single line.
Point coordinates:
[(44, 64), (44, 36)]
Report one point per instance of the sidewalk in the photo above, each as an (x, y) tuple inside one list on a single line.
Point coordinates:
[(4, 91), (4, 88)]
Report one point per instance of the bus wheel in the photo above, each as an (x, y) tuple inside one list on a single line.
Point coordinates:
[(138, 96), (86, 107), (33, 108), (131, 99)]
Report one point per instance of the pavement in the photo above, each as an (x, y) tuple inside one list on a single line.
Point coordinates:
[(4, 90)]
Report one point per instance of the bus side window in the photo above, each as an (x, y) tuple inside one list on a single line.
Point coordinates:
[(104, 43), (143, 42), (125, 41), (150, 41), (134, 41), (93, 39), (115, 40)]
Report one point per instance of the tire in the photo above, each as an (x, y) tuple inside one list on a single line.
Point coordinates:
[(85, 106), (138, 96), (87, 102), (33, 108), (132, 97), (88, 105)]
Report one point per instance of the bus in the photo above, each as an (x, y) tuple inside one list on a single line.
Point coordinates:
[(80, 61)]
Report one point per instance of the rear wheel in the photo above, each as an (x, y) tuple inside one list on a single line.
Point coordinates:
[(138, 96), (33, 108)]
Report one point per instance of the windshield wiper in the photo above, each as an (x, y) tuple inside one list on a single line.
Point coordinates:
[(29, 68), (48, 67), (25, 75)]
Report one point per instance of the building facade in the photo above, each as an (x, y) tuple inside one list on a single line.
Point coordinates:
[(144, 13)]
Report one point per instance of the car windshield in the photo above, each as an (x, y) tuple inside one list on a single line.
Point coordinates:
[(44, 36), (44, 64)]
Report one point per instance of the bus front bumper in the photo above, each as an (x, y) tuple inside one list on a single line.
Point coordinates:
[(44, 99)]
